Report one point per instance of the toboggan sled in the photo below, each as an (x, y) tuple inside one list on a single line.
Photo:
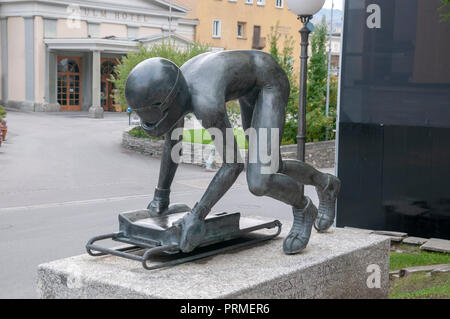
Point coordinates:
[(151, 236)]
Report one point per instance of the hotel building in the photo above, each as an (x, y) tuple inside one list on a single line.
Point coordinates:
[(58, 55)]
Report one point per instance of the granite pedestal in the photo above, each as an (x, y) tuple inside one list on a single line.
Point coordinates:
[(339, 264), (96, 112)]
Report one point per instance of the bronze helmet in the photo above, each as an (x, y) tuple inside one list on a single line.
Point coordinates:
[(157, 91)]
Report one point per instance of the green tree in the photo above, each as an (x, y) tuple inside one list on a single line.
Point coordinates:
[(317, 123), (164, 50), (445, 10), (317, 67), (285, 57)]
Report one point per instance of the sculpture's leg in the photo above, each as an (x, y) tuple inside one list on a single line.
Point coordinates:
[(327, 187), (247, 104), (284, 185), (301, 172)]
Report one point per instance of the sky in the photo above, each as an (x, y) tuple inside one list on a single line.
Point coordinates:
[(337, 4)]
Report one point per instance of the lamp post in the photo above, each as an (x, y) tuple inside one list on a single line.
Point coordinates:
[(304, 9)]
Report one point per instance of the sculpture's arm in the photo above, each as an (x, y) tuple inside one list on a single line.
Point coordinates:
[(221, 183), (231, 167), (167, 170), (192, 224)]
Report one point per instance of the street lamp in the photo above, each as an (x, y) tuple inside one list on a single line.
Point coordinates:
[(304, 9)]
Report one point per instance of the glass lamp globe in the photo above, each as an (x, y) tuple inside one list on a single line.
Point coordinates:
[(305, 7)]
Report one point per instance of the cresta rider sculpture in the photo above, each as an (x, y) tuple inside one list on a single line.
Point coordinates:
[(162, 94)]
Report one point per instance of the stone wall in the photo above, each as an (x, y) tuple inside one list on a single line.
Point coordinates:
[(147, 146), (320, 155)]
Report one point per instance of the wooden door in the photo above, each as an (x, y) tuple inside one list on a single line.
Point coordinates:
[(69, 83), (107, 68)]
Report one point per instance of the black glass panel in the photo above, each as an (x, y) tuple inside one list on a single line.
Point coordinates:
[(394, 130)]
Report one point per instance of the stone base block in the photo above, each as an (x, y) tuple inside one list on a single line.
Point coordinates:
[(338, 264), (21, 105), (47, 107), (439, 245), (414, 240), (96, 112), (32, 106)]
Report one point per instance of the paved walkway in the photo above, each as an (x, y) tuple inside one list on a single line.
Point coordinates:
[(64, 178)]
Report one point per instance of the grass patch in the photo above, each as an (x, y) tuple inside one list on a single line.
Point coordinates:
[(413, 256), (199, 136), (418, 285), (421, 286), (202, 136)]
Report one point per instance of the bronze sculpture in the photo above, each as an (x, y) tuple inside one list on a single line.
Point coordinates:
[(162, 94)]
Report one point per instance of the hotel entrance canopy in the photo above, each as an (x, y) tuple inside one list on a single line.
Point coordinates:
[(112, 44), (88, 86)]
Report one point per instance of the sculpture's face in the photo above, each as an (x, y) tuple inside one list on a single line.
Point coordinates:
[(161, 116), (156, 90)]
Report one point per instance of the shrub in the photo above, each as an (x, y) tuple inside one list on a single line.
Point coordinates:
[(234, 113), (2, 113), (140, 133), (164, 50)]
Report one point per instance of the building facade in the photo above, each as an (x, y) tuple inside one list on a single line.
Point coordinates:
[(242, 24), (57, 55), (246, 24), (335, 52), (394, 118)]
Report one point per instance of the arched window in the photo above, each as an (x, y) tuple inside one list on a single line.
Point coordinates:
[(68, 65), (107, 68)]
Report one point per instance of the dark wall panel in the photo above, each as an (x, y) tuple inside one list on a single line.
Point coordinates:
[(361, 149), (394, 130)]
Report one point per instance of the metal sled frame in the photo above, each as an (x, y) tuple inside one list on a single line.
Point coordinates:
[(222, 229)]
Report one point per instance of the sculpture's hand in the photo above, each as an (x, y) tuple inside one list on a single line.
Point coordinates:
[(160, 202), (192, 229)]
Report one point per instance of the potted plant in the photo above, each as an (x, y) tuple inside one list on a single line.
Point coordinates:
[(3, 124), (4, 128)]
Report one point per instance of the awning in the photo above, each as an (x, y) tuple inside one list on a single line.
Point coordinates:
[(111, 44), (91, 44)]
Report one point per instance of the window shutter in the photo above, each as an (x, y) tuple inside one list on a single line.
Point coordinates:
[(256, 36), (258, 42)]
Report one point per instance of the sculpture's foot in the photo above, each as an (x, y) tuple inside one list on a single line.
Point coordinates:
[(192, 231), (160, 202), (298, 237), (327, 205)]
